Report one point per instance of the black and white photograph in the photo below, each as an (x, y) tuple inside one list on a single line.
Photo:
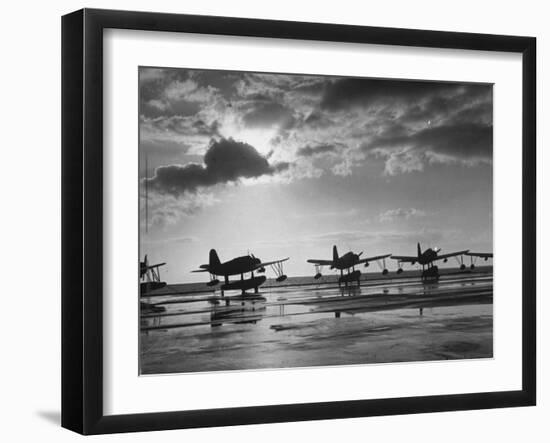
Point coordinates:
[(294, 221), (275, 222)]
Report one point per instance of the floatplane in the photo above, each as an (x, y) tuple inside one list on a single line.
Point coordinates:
[(150, 276), (427, 260), (150, 280), (347, 262), (240, 266)]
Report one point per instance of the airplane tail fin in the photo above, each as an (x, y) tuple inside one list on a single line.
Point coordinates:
[(214, 260), (334, 253), (418, 249)]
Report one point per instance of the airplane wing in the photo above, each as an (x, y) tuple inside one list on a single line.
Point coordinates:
[(158, 265), (320, 262), (267, 263), (378, 257), (405, 258), (200, 270), (451, 254), (480, 254)]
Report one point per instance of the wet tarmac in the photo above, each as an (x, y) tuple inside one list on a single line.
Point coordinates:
[(320, 324)]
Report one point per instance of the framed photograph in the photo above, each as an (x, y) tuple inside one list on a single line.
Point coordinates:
[(270, 221)]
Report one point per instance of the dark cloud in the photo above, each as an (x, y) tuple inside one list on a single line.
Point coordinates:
[(462, 140), (203, 128), (470, 103), (310, 87), (151, 83), (317, 119), (309, 151), (394, 130), (480, 112), (223, 81), (225, 161), (258, 97), (432, 126), (265, 114), (344, 93)]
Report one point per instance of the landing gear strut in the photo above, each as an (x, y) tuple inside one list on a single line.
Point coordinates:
[(430, 273)]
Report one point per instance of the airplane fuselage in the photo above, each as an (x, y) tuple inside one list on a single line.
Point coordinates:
[(237, 266), (427, 257), (346, 261)]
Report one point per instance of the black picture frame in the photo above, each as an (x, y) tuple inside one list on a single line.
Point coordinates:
[(82, 218)]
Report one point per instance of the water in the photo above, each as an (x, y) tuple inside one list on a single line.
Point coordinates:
[(299, 324)]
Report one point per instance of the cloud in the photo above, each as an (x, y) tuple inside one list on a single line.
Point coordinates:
[(168, 93), (178, 125), (157, 108), (225, 161), (162, 148), (310, 86), (344, 168), (346, 92), (354, 212), (304, 119), (401, 162), (309, 150), (400, 214), (317, 120), (166, 209), (170, 240), (265, 110), (409, 124), (466, 143), (223, 81), (465, 103), (462, 140), (264, 115), (151, 74)]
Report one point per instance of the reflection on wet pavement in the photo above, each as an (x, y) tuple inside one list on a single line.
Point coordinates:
[(320, 324)]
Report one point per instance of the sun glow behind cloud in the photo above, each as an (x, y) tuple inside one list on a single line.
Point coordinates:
[(260, 138)]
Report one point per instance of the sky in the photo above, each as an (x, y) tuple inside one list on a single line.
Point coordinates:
[(285, 165)]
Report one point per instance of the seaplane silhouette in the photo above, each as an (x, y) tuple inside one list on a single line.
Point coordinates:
[(473, 255), (240, 266), (150, 280), (150, 276), (427, 258), (347, 262)]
